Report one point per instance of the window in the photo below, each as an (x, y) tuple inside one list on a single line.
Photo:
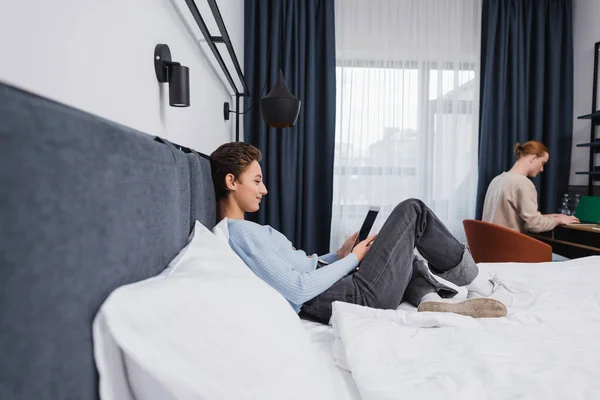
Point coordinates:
[(398, 129)]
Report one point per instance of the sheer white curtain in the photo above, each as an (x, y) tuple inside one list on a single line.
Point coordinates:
[(407, 109)]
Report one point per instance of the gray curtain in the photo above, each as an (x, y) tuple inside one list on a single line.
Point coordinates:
[(297, 162), (526, 90)]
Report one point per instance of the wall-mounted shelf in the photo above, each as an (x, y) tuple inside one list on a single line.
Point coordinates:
[(595, 143), (595, 116), (593, 171)]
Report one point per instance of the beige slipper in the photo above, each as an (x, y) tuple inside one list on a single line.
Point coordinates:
[(480, 307)]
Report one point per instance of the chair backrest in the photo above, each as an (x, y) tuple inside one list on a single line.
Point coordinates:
[(496, 243)]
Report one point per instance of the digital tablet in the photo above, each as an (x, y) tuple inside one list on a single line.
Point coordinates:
[(367, 225)]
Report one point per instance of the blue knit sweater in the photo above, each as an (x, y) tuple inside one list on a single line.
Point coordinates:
[(271, 256)]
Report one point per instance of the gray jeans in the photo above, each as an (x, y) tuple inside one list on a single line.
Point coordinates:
[(390, 273)]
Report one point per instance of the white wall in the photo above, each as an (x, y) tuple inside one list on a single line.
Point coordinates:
[(586, 32), (98, 56)]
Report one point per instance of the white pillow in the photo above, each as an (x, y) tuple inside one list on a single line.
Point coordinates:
[(208, 328), (221, 230)]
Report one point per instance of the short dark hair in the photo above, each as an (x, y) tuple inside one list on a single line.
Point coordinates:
[(231, 158)]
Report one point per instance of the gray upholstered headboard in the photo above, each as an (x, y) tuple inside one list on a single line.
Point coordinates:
[(86, 205)]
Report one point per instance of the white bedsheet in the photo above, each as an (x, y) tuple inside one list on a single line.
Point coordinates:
[(321, 336), (551, 350)]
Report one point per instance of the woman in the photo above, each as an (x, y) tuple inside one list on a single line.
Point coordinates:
[(377, 273), (511, 198)]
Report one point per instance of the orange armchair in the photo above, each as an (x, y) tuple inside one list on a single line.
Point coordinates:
[(496, 243)]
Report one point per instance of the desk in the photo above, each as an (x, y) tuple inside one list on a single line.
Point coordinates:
[(572, 241)]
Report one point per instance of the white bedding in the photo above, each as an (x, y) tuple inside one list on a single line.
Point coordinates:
[(550, 350), (321, 337)]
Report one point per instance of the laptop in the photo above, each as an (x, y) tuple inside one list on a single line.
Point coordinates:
[(588, 210)]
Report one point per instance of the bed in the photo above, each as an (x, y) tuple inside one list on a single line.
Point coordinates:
[(91, 209)]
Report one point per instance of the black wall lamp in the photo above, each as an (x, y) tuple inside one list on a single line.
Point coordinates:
[(176, 74)]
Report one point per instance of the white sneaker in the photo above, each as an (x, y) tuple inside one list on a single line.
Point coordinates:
[(510, 297)]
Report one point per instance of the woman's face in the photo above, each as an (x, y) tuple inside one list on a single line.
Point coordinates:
[(248, 189), (537, 165)]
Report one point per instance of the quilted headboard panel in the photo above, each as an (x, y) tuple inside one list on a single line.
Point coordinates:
[(86, 205)]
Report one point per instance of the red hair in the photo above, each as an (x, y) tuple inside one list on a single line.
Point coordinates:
[(532, 147)]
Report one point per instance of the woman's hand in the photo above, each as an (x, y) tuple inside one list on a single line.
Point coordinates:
[(564, 219), (346, 247), (361, 249)]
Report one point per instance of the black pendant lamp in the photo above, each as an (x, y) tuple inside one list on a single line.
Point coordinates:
[(280, 108)]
